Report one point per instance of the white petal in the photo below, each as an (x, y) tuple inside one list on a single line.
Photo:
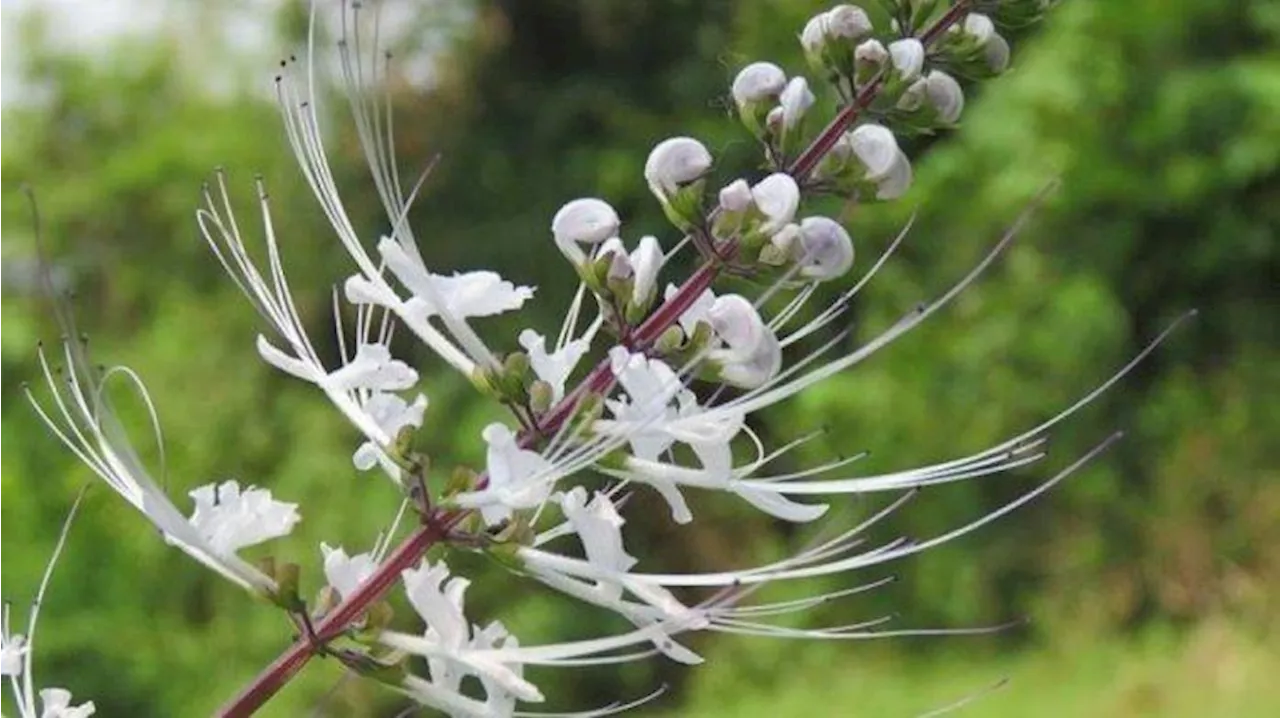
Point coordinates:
[(230, 519), (778, 197), (997, 53), (848, 21), (288, 364), (674, 162), (825, 249), (736, 196), (814, 35), (979, 26), (553, 368), (372, 368), (795, 101), (646, 261), (876, 148), (945, 95), (758, 82), (696, 312), (345, 573), (897, 181), (908, 57), (479, 294), (583, 221)]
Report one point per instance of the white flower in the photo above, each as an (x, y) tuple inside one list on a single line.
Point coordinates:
[(56, 703), (908, 57), (814, 35), (345, 573), (230, 519), (459, 297), (645, 418), (392, 414), (753, 355), (454, 651), (944, 95), (886, 165), (777, 197), (16, 651), (555, 367), (995, 47), (847, 21), (86, 422), (825, 250), (583, 221), (518, 478), (757, 83), (697, 311), (842, 22), (736, 196), (297, 356), (13, 649), (869, 58), (795, 101), (674, 162), (646, 261)]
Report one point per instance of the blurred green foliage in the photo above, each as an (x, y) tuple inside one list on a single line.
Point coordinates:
[(1158, 117)]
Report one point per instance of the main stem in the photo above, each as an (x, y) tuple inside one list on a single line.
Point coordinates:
[(438, 525)]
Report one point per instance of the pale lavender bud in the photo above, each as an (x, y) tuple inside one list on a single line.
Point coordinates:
[(795, 101), (908, 57), (848, 21), (753, 355), (825, 250), (675, 162), (756, 83), (874, 146), (646, 260), (945, 95), (736, 196), (583, 221), (777, 197)]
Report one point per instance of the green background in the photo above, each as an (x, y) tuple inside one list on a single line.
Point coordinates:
[(1150, 581)]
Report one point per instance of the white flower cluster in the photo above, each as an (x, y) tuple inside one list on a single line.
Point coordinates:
[(668, 405)]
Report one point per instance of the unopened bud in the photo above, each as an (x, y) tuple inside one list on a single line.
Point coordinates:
[(583, 221), (825, 250)]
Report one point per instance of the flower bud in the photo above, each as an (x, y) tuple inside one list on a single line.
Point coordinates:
[(777, 197), (673, 171), (583, 221), (675, 162), (875, 147), (868, 58), (995, 49), (795, 101), (736, 196), (757, 84), (944, 95), (885, 164), (908, 58), (778, 250), (646, 260), (814, 36), (828, 36), (849, 22), (753, 355), (824, 251)]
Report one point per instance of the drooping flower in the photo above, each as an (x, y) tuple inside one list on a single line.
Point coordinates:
[(86, 422)]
